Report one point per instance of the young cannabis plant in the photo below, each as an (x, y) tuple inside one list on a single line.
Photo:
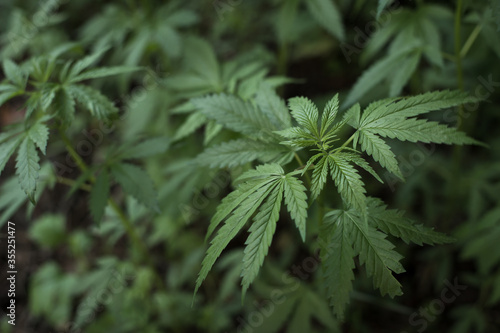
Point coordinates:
[(361, 226), (51, 89)]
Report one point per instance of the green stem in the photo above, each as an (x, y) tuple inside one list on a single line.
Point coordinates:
[(79, 161), (472, 38), (448, 56), (458, 44), (339, 149), (457, 151), (71, 182)]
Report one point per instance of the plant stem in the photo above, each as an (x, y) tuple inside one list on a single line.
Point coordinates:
[(79, 162), (458, 44), (472, 38), (71, 182), (457, 151), (345, 143), (448, 56)]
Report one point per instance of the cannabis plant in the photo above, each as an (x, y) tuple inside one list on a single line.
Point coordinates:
[(359, 226)]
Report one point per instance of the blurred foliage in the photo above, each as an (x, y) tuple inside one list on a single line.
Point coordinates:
[(101, 137)]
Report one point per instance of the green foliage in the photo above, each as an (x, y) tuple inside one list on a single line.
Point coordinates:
[(99, 196), (134, 181), (327, 15), (48, 231), (262, 189), (167, 128), (360, 229), (392, 118)]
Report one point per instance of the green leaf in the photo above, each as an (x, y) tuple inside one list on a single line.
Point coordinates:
[(211, 131), (418, 130), (64, 105), (381, 6), (261, 172), (236, 114), (353, 115), (201, 59), (261, 234), (361, 162), (9, 94), (381, 152), (147, 148), (233, 200), (413, 106), (98, 104), (404, 73), (102, 72), (85, 62), (298, 136), (337, 256), (377, 254), (137, 183), (191, 124), (432, 50), (238, 152), (305, 113), (39, 134), (326, 13), (99, 196), (329, 114), (296, 202), (14, 73), (266, 183), (392, 221), (273, 106), (7, 148), (348, 181), (286, 21), (27, 167), (319, 175), (239, 216), (380, 70)]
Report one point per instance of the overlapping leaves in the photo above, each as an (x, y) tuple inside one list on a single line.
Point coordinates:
[(345, 235), (261, 191), (256, 122)]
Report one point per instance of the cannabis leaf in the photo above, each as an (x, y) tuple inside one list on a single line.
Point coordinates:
[(261, 234), (261, 189), (392, 221), (337, 256), (256, 122), (8, 146), (344, 235), (412, 34), (241, 151), (310, 132), (322, 135), (237, 115), (27, 167), (392, 118)]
